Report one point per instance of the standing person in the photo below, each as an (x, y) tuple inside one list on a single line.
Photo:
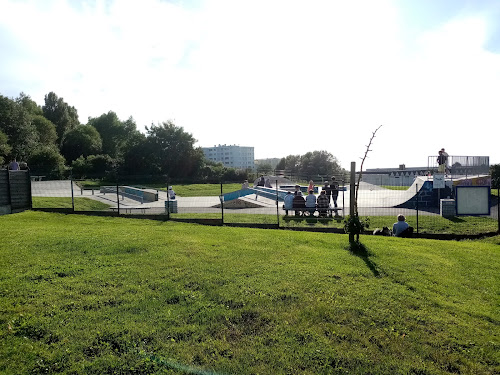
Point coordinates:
[(311, 202), (14, 165), (288, 202), (328, 191), (441, 160), (445, 154), (245, 185), (311, 185), (334, 186)]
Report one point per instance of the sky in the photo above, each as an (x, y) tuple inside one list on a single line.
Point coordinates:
[(283, 76)]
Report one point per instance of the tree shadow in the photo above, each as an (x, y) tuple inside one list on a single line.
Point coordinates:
[(360, 250)]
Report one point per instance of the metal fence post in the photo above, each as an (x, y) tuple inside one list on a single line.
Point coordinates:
[(277, 205), (352, 197), (117, 199), (72, 195), (221, 204), (498, 208), (168, 203), (417, 194)]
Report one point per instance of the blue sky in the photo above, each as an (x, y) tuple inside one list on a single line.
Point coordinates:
[(286, 77)]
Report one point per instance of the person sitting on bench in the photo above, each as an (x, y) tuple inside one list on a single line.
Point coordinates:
[(288, 202), (299, 203), (323, 203), (311, 202)]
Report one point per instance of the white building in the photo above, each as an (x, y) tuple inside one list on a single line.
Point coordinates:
[(231, 156)]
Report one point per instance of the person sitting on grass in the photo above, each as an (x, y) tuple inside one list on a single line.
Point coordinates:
[(401, 227), (323, 202), (311, 202)]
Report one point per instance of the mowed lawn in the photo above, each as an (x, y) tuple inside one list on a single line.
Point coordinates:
[(100, 295)]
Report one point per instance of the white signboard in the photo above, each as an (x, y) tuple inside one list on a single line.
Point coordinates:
[(473, 200), (438, 182)]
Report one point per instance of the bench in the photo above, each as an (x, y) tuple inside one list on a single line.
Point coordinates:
[(305, 211), (129, 210)]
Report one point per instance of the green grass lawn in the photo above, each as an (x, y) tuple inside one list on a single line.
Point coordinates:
[(467, 225), (390, 187), (81, 204), (96, 295)]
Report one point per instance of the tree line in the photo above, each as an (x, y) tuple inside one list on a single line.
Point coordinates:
[(54, 143)]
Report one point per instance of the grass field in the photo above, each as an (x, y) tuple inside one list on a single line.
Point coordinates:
[(94, 295), (81, 204)]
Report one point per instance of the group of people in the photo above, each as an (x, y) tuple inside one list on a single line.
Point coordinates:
[(311, 203), (14, 165)]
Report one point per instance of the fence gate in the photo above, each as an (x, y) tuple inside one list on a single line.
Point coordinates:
[(15, 191)]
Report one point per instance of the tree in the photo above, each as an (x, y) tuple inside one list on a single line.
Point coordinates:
[(29, 105), (172, 151), (46, 160), (311, 164), (46, 130), (115, 134), (94, 165), (15, 123), (291, 163), (63, 116), (5, 149), (319, 163), (82, 140), (264, 168)]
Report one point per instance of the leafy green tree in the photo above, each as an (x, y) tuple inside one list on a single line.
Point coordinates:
[(311, 164), (29, 105), (136, 156), (93, 166), (172, 151), (63, 116), (81, 140), (46, 160), (115, 134), (291, 163), (46, 130), (264, 168), (319, 163), (15, 122), (5, 149)]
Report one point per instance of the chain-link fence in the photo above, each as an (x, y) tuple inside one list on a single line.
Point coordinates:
[(429, 209)]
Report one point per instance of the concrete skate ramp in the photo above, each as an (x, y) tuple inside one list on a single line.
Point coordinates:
[(376, 196), (259, 190)]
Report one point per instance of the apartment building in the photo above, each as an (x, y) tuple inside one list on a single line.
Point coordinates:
[(231, 156)]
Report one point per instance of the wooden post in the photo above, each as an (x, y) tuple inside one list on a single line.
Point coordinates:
[(352, 198)]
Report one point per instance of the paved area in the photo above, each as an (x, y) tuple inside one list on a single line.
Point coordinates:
[(372, 200)]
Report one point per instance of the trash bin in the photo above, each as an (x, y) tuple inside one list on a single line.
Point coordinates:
[(448, 208), (171, 206)]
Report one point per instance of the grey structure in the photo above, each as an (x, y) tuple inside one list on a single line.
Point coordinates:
[(232, 156), (15, 191)]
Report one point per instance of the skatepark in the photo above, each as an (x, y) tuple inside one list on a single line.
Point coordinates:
[(372, 199)]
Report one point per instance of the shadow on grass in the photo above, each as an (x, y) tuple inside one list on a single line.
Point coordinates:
[(361, 251), (456, 219)]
